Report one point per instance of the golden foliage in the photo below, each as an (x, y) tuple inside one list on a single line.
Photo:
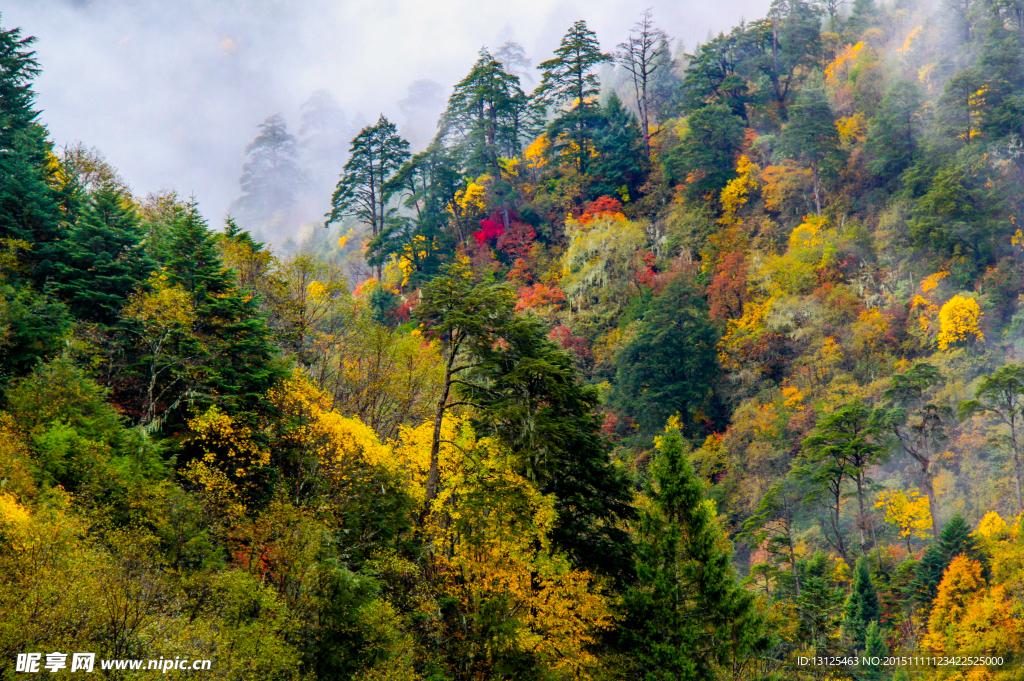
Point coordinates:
[(907, 510), (958, 322), (737, 191)]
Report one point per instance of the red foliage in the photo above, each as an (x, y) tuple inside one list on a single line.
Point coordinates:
[(489, 229), (518, 240), (728, 289), (575, 344), (605, 206), (540, 295), (645, 274)]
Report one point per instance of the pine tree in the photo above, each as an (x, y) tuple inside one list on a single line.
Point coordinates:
[(862, 608), (686, 617), (569, 79), (270, 178), (811, 137), (620, 165), (365, 190), (101, 259)]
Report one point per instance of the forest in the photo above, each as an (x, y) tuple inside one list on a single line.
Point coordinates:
[(652, 364)]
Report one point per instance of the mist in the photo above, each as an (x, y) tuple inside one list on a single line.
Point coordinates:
[(172, 91)]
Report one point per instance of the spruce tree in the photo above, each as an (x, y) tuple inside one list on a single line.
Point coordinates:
[(620, 165), (686, 617), (569, 79), (29, 208), (237, 357), (862, 607), (956, 539), (101, 260)]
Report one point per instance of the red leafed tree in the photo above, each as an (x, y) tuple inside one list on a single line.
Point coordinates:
[(489, 229), (518, 240), (728, 289), (605, 206)]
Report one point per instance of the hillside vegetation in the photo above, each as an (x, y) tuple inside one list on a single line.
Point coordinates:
[(680, 366)]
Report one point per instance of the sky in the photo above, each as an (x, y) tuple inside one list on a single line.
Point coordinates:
[(171, 91)]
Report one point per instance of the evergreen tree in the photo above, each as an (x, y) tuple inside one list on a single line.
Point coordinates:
[(956, 539), (620, 165), (862, 608), (270, 178), (686, 617), (427, 185), (101, 259), (569, 79), (811, 137), (29, 202), (365, 190), (237, 357), (705, 159), (894, 133), (670, 366), (486, 116), (529, 395)]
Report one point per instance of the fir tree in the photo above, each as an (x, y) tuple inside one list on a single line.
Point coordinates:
[(811, 137), (270, 178), (365, 187), (569, 79), (620, 164), (29, 208), (237, 356), (862, 607), (956, 539), (686, 616), (101, 260)]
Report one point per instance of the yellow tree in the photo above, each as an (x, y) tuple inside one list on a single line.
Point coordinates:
[(958, 322), (907, 510)]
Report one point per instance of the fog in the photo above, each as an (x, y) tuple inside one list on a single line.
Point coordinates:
[(171, 91)]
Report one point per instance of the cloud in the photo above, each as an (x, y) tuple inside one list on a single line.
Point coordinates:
[(171, 91)]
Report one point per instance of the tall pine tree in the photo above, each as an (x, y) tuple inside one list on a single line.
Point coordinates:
[(569, 83)]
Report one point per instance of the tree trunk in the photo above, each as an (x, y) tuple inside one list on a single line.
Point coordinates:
[(435, 444), (817, 190)]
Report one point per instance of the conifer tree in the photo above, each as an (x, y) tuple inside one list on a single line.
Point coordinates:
[(270, 178), (620, 165), (687, 618), (811, 137), (237, 357), (670, 365), (956, 539), (29, 209), (862, 608), (706, 157), (486, 116), (101, 259), (364, 190), (569, 79)]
